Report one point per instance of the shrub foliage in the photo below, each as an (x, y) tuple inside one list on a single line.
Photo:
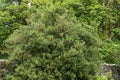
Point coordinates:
[(52, 47)]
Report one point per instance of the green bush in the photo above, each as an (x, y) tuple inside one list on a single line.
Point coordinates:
[(52, 47)]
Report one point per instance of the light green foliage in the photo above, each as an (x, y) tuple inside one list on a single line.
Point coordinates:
[(102, 77), (11, 17), (53, 46), (107, 76), (102, 14), (110, 51)]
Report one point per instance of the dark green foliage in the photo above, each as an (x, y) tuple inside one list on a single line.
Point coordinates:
[(53, 47)]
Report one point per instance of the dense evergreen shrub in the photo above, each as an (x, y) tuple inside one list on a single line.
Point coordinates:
[(52, 47)]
